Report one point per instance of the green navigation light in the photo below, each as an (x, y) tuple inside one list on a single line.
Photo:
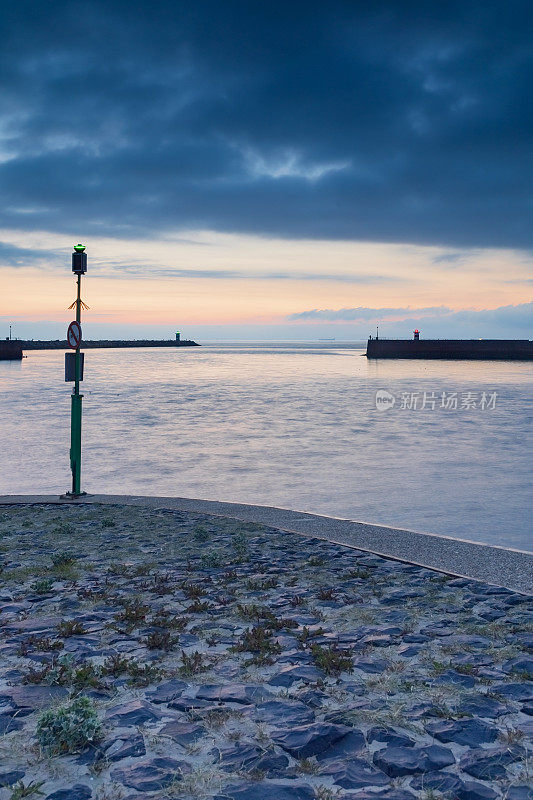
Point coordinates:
[(79, 248)]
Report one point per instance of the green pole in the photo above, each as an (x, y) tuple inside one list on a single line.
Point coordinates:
[(75, 412)]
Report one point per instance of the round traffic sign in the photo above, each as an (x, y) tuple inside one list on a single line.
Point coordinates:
[(74, 335)]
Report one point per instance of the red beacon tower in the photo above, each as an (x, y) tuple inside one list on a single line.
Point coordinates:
[(417, 335)]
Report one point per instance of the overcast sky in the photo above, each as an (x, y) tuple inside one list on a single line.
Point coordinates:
[(268, 169)]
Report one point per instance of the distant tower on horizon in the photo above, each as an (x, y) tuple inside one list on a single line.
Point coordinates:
[(416, 335), (178, 336)]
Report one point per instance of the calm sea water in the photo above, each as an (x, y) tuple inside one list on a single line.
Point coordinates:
[(292, 425)]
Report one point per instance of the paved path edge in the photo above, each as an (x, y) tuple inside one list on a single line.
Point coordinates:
[(499, 566)]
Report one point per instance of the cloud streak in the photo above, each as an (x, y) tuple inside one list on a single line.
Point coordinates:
[(365, 314), (514, 316)]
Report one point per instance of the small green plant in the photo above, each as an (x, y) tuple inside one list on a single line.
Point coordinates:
[(198, 607), (69, 728), (191, 663), (164, 619), (161, 640), (331, 660), (308, 766), (71, 628), (258, 641), (64, 565), (133, 612), (108, 522), (257, 584), (326, 594), (21, 790), (201, 534), (192, 591), (161, 583), (439, 667), (298, 600), (42, 644), (466, 669), (307, 634), (316, 561), (115, 665), (211, 560), (240, 547), (63, 529), (87, 676), (42, 586), (356, 573), (143, 675), (325, 793), (118, 569), (62, 558)]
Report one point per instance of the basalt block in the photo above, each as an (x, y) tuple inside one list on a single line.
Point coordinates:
[(397, 761), (304, 741), (152, 774)]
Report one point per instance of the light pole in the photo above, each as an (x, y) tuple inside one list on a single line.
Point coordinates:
[(79, 268)]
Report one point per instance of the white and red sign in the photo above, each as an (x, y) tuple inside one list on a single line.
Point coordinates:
[(74, 335)]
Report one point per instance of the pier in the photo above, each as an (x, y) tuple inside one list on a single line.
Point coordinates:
[(61, 344), (10, 350), (458, 349)]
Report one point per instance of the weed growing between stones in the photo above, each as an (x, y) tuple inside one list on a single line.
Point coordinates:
[(41, 644), (21, 790), (331, 660), (308, 766), (200, 533), (191, 663), (239, 544), (62, 671), (133, 612), (143, 675), (192, 591), (198, 607), (64, 565), (264, 616), (69, 728), (71, 628), (165, 619), (42, 586), (116, 665), (258, 641), (161, 640), (326, 594), (211, 560), (325, 793)]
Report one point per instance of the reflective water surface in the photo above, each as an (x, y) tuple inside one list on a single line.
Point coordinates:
[(288, 425)]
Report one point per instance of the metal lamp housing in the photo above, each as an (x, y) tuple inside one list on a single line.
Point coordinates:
[(79, 263)]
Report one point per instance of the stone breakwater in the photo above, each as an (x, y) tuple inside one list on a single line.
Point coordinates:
[(232, 660)]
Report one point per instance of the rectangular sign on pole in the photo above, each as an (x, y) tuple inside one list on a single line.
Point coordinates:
[(70, 366)]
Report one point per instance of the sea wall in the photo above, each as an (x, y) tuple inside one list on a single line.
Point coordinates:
[(478, 349), (10, 350)]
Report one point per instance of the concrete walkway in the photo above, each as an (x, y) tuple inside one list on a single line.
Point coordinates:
[(495, 565)]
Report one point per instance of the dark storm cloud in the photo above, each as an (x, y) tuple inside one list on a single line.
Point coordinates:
[(390, 121)]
